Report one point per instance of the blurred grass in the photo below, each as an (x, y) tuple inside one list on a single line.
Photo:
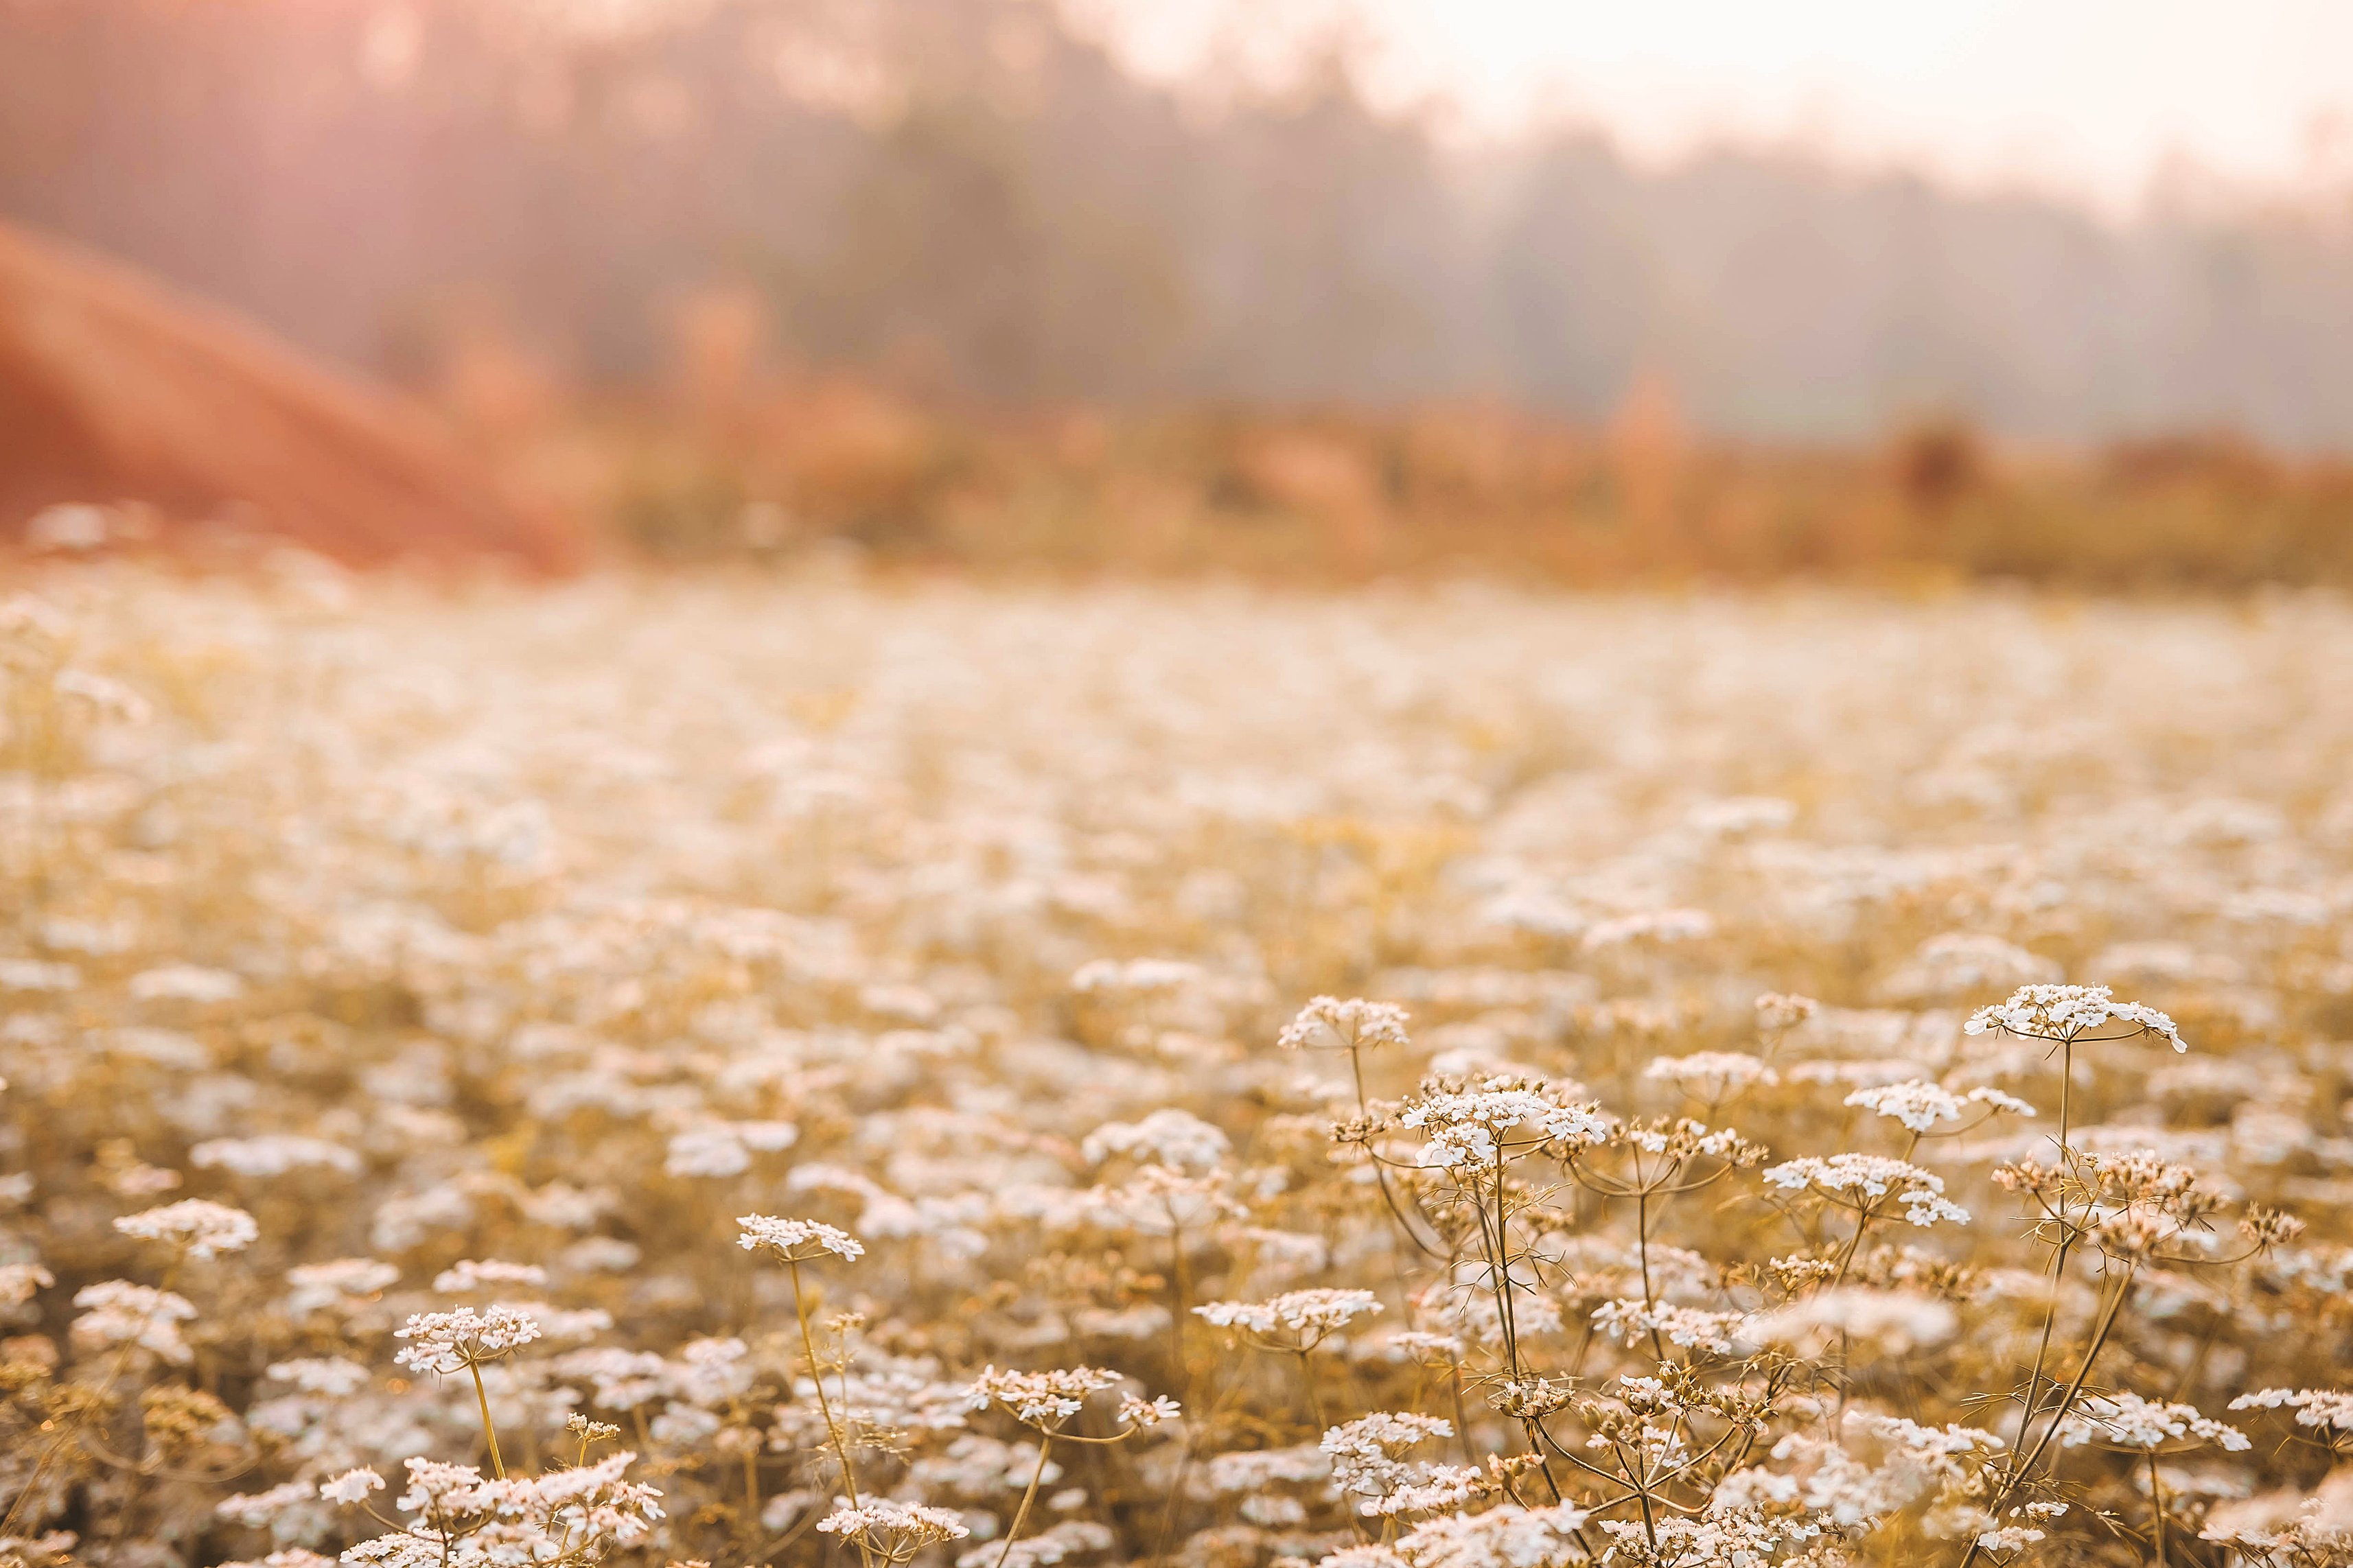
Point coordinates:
[(1336, 496)]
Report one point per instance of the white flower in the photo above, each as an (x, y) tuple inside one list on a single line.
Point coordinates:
[(1649, 925), (2129, 1421), (796, 1240), (2328, 1407), (1470, 1126), (488, 1274), (1861, 1181), (1134, 1411), (198, 1226), (19, 1281), (707, 1152), (1353, 1024), (1780, 1010), (451, 1342), (118, 1312), (1303, 1312), (1712, 1075), (1173, 1137), (342, 1283), (897, 1530), (272, 1154), (351, 1486), (1894, 1320), (1364, 1452), (1509, 1536), (2071, 1013), (1134, 975), (186, 983), (330, 1375), (1630, 1320), (258, 1510), (1919, 1105), (1040, 1399)]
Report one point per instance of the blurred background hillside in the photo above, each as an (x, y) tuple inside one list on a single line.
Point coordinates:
[(955, 279)]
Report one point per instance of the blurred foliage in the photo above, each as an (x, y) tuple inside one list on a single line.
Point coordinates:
[(1339, 495), (977, 196)]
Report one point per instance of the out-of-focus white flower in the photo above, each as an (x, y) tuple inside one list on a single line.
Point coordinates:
[(488, 1274), (1353, 1024), (118, 1312), (1308, 1315), (196, 1226)]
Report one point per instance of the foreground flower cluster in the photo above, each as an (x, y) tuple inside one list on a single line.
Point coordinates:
[(658, 1072)]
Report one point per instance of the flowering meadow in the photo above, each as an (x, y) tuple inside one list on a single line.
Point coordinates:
[(690, 1070)]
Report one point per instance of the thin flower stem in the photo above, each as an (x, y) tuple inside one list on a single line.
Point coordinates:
[(1021, 1515), (489, 1432), (817, 1377)]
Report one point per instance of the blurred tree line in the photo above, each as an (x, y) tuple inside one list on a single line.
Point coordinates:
[(974, 196)]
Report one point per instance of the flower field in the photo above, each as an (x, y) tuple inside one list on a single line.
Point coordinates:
[(705, 1069)]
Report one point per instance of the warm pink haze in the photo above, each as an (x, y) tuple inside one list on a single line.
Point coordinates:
[(2088, 98)]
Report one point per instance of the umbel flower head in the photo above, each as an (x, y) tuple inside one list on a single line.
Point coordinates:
[(118, 1312), (796, 1240), (895, 1530), (1865, 1181), (2072, 1012), (1306, 1315), (469, 1275), (2131, 1421), (1040, 1399), (1918, 1105), (198, 1226), (452, 1342), (1353, 1024)]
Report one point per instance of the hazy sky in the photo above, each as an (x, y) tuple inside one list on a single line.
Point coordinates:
[(2088, 96)]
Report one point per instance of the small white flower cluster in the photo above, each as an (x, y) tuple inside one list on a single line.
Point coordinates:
[(2071, 1013), (1309, 1314), (116, 1313), (1712, 1075), (797, 1241), (195, 1226), (1353, 1024), (463, 1520), (1508, 1536), (1040, 1399), (2129, 1421), (273, 1154), (897, 1530), (1366, 1454), (1470, 1126), (1894, 1321), (1169, 1136), (1631, 1320), (1919, 1106), (1862, 1181), (446, 1342), (488, 1274), (2323, 1407)]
